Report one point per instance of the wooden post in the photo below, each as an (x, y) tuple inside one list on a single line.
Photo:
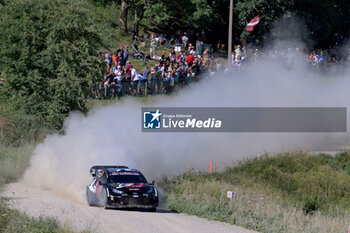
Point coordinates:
[(146, 88), (211, 167), (230, 35)]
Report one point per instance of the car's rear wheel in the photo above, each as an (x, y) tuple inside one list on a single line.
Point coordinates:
[(154, 209)]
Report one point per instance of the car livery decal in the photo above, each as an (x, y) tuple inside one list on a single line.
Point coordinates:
[(131, 185), (134, 186), (123, 173)]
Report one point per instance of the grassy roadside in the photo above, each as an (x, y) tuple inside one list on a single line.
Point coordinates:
[(13, 221), (292, 192), (13, 162)]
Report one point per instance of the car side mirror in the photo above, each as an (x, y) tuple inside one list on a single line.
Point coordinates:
[(152, 183)]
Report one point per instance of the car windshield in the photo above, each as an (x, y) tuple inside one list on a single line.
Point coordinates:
[(139, 178)]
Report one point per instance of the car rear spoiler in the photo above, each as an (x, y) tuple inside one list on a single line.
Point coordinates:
[(95, 169)]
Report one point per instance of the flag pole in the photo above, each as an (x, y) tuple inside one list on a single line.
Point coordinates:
[(230, 35)]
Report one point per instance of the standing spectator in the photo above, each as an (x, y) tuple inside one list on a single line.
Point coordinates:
[(201, 40), (142, 85), (238, 51), (127, 82), (115, 59), (158, 79), (135, 79), (126, 55), (190, 59), (193, 52), (172, 56), (121, 51), (153, 83), (145, 73), (120, 59), (185, 39), (108, 57), (180, 58), (108, 82), (118, 75)]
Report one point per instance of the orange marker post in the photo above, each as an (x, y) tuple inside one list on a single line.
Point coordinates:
[(211, 167)]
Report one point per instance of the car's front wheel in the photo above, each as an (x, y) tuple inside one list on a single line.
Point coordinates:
[(105, 199), (88, 197)]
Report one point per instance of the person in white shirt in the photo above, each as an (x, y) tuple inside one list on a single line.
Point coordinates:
[(135, 79), (185, 39), (238, 51), (141, 83), (118, 75), (193, 52)]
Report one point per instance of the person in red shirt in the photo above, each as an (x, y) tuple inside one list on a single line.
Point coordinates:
[(115, 59), (190, 59)]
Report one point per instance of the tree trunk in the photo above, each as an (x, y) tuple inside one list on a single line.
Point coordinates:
[(136, 23), (123, 21), (139, 18)]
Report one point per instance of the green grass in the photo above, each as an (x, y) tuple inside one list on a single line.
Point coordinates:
[(290, 192), (13, 162), (12, 221)]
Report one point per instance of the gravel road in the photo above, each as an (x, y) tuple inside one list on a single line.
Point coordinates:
[(79, 216)]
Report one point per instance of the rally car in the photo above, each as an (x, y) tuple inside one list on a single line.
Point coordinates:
[(120, 187)]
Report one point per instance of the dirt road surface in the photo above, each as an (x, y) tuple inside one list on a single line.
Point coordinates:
[(79, 216)]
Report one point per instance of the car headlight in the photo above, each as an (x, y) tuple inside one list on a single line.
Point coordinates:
[(152, 191), (117, 191)]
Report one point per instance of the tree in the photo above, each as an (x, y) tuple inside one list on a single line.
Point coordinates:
[(123, 21), (323, 18), (48, 52)]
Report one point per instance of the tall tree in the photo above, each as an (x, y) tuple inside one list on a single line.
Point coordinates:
[(123, 21), (48, 52)]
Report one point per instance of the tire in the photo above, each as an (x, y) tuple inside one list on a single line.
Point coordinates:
[(105, 199), (153, 209), (88, 197)]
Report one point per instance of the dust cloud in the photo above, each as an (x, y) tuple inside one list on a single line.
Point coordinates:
[(111, 135)]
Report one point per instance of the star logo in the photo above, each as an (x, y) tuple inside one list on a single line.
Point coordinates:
[(152, 119), (156, 115)]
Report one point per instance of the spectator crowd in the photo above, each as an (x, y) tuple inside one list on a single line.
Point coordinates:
[(181, 60), (171, 69)]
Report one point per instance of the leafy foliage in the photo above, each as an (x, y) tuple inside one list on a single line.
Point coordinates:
[(324, 19), (48, 53)]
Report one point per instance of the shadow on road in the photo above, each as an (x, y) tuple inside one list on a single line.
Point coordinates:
[(159, 210)]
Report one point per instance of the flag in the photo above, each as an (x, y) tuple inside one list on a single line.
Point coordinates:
[(251, 25)]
